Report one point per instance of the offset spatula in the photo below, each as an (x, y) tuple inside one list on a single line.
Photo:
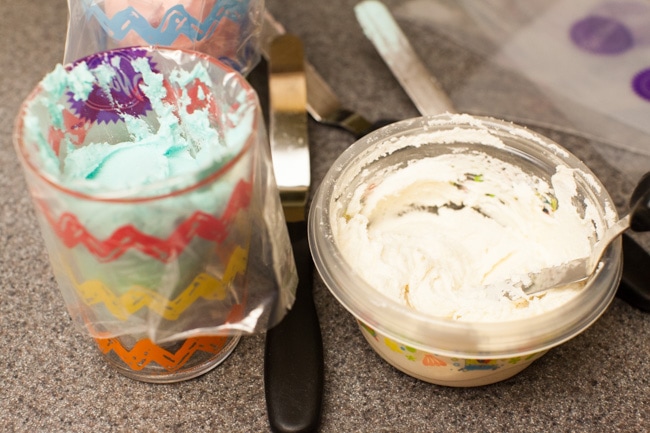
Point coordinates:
[(293, 361), (323, 105), (580, 269)]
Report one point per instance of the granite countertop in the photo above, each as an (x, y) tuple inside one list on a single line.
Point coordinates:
[(52, 379)]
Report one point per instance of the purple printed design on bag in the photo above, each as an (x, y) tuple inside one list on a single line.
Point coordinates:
[(641, 84), (125, 96), (615, 29), (602, 35)]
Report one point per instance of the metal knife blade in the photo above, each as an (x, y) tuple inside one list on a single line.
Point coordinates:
[(380, 28), (322, 104), (293, 359), (288, 125)]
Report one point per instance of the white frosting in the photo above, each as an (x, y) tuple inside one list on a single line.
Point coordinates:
[(455, 235)]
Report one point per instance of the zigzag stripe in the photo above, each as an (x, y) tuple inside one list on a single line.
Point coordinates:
[(175, 22), (72, 232), (137, 297), (145, 351)]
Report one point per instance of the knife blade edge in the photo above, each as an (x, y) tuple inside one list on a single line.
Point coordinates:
[(382, 30)]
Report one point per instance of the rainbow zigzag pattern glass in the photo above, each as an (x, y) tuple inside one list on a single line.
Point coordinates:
[(154, 278), (131, 278)]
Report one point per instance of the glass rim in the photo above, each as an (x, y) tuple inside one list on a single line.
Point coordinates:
[(114, 196)]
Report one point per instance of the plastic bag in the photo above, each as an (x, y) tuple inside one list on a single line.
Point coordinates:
[(181, 235), (580, 66), (225, 29)]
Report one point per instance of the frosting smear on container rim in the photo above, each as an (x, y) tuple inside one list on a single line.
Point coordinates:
[(455, 235)]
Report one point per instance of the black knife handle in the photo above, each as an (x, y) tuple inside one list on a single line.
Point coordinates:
[(635, 282), (640, 205), (293, 360)]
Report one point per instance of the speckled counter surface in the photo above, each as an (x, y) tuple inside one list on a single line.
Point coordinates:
[(53, 380)]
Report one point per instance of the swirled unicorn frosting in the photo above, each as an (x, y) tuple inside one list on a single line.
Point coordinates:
[(128, 125)]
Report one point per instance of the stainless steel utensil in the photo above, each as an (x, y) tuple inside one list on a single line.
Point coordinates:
[(293, 360), (382, 30), (322, 104), (581, 269)]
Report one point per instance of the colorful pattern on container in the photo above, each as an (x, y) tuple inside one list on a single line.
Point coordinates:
[(436, 361)]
